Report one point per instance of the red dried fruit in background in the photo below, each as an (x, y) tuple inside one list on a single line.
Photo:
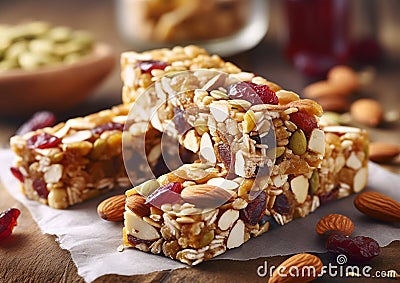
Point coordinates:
[(281, 205), (42, 141), (8, 220), (17, 174), (148, 65), (169, 193), (39, 185), (253, 93), (358, 249), (304, 121), (39, 120), (110, 126), (254, 210)]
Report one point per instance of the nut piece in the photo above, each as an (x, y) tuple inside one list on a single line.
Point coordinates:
[(378, 206), (139, 228), (383, 152), (284, 272), (136, 203), (236, 236), (112, 209), (205, 195), (367, 111), (335, 223), (299, 187)]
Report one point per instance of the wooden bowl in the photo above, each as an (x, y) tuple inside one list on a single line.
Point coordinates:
[(56, 88)]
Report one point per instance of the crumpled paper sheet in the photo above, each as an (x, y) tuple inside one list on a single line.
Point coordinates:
[(93, 242)]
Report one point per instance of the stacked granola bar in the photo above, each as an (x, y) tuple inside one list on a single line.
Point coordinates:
[(261, 161)]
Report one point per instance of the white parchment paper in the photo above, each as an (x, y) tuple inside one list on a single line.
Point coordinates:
[(93, 242)]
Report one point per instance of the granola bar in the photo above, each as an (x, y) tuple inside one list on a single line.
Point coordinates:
[(79, 159), (140, 70), (344, 169), (196, 212)]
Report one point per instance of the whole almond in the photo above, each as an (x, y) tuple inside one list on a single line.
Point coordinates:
[(378, 206), (367, 111), (383, 152), (136, 203), (344, 76), (205, 195), (308, 266), (112, 209), (332, 103), (335, 223), (325, 89)]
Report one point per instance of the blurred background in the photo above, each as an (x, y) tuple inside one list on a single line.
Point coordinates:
[(291, 42)]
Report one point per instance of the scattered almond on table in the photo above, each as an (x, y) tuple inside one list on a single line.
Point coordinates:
[(367, 111), (378, 206), (112, 208), (334, 223), (284, 272), (382, 152)]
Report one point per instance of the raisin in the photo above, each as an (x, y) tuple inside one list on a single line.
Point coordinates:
[(8, 220), (327, 197), (39, 185), (148, 65), (43, 140), (110, 126), (136, 241), (169, 193), (281, 205), (224, 153), (38, 121), (359, 249), (17, 174), (254, 210), (253, 93), (304, 121), (180, 122)]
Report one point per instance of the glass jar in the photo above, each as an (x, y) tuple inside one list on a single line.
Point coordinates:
[(318, 34), (225, 27)]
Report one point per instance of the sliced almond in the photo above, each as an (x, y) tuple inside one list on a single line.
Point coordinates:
[(360, 180), (207, 149), (53, 173), (223, 183), (353, 161), (317, 141), (227, 219), (139, 228), (299, 186), (191, 141), (77, 137), (220, 110), (236, 236)]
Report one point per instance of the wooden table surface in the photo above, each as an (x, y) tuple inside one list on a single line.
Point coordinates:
[(30, 256)]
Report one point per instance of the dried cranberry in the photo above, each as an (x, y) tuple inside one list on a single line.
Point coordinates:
[(304, 121), (148, 65), (180, 122), (43, 140), (266, 94), (281, 205), (38, 121), (136, 241), (169, 193), (327, 197), (224, 153), (8, 220), (39, 185), (17, 174), (254, 210), (358, 249), (253, 93), (110, 126)]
